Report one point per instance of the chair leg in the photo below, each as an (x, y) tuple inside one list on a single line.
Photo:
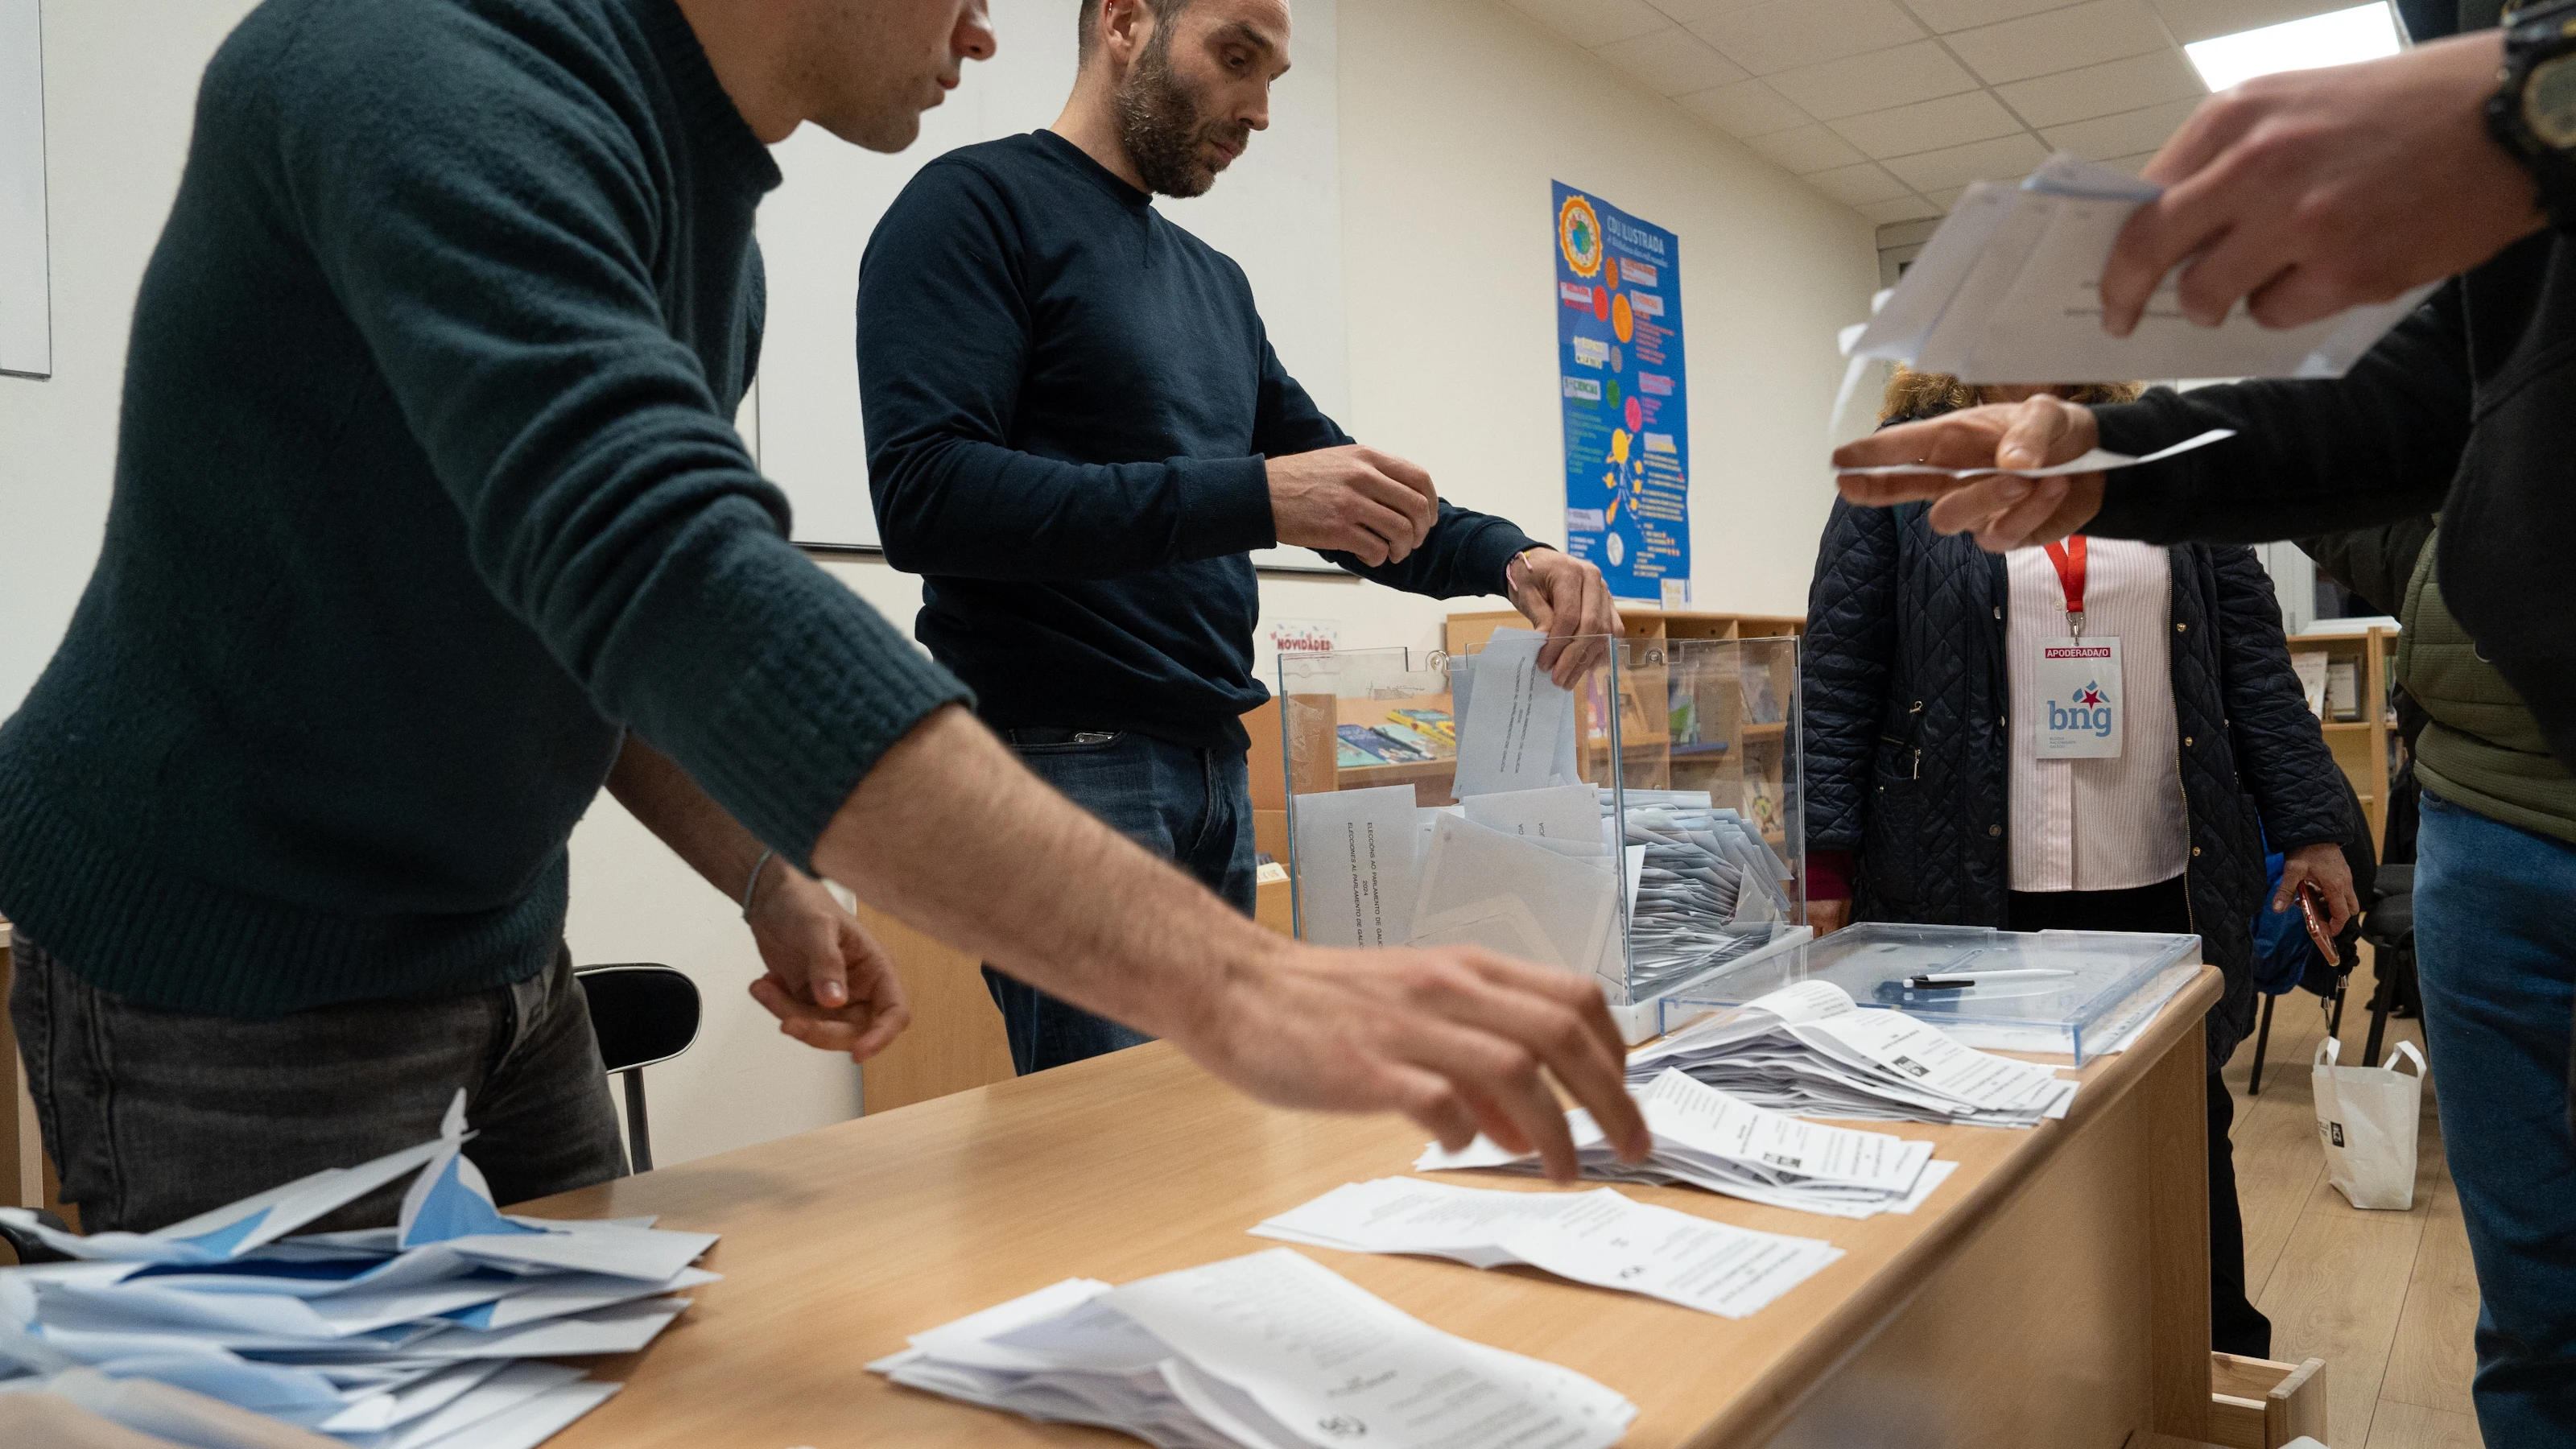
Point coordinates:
[(639, 1135), (2262, 1043), (2382, 1001)]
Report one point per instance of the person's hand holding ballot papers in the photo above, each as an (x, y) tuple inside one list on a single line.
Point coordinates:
[(2074, 275)]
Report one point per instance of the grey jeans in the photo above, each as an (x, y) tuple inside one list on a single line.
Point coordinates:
[(153, 1116)]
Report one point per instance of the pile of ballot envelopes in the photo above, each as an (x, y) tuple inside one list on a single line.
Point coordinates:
[(1810, 1050), (425, 1335), (1711, 1139), (1268, 1351)]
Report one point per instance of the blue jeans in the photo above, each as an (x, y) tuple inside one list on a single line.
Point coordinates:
[(2495, 934), (1190, 806)]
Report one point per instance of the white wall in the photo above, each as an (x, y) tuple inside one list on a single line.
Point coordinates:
[(1455, 116)]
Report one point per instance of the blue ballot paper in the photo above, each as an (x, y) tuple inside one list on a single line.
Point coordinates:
[(418, 1336)]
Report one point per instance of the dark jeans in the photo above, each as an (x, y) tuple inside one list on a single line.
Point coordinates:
[(2495, 946), (2234, 1324), (153, 1116), (1190, 806)]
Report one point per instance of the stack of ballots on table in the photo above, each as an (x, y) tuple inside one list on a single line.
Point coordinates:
[(1709, 1139), (1268, 1351), (420, 1336), (1810, 1050)]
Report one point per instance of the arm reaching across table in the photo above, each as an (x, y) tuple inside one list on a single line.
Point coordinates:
[(951, 833)]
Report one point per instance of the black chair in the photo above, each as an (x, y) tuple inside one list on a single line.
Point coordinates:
[(30, 1248), (642, 1014)]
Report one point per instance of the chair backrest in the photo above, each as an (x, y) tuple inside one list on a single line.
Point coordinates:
[(642, 1013)]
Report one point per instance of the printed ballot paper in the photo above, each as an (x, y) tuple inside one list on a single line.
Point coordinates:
[(1808, 1049), (1600, 1237), (417, 1336), (1516, 729), (1708, 1139), (1268, 1351), (2008, 290)]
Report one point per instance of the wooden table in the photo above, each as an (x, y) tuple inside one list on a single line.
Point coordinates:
[(2053, 1293)]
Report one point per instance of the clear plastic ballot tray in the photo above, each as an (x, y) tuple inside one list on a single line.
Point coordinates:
[(2082, 990)]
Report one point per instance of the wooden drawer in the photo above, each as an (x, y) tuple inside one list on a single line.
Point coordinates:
[(2255, 1403)]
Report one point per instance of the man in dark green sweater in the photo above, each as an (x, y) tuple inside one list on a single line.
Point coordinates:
[(428, 517)]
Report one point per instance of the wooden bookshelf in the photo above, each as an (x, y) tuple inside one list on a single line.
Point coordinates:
[(2363, 747)]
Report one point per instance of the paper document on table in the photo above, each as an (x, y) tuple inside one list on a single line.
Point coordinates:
[(2008, 290), (1808, 1049), (1600, 1237), (1355, 864), (1267, 1351), (1709, 1139), (1515, 724)]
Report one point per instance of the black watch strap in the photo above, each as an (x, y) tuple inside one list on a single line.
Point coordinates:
[(2533, 112)]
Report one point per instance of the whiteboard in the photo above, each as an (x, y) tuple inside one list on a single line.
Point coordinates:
[(1277, 211), (26, 322)]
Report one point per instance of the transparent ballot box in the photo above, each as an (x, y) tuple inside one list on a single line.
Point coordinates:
[(1642, 827), (2075, 992)]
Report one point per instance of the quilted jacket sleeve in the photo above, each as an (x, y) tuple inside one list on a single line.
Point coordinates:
[(1850, 652), (2281, 754)]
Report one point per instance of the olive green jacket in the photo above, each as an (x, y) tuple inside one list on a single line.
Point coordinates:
[(2482, 749)]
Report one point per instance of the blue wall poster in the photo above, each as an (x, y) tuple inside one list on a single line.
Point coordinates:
[(1620, 372)]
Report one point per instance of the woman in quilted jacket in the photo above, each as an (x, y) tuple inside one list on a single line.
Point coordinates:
[(2098, 735)]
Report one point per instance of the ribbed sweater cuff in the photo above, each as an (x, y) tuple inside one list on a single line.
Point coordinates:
[(811, 711), (1225, 506)]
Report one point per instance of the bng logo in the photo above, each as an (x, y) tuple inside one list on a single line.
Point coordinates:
[(2088, 709)]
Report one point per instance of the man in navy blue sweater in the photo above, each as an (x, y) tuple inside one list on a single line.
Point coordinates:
[(1077, 430), (430, 519)]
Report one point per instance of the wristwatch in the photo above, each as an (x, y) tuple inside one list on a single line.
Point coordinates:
[(2533, 112)]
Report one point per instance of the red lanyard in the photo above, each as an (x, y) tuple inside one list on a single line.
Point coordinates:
[(2069, 560)]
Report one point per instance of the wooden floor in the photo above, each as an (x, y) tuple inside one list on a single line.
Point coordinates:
[(2387, 1299)]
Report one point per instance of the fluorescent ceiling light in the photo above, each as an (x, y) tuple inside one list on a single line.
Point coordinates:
[(2338, 37)]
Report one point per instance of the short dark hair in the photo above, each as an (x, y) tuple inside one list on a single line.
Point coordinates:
[(1164, 13)]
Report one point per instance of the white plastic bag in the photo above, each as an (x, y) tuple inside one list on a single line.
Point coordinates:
[(2366, 1118)]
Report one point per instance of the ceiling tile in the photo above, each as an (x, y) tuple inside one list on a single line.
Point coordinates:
[(2100, 90), (2060, 40), (2192, 20), (1853, 185), (1806, 149), (1746, 108), (1928, 125), (1875, 81), (1674, 62), (2131, 164), (2124, 134), (1904, 208), (1692, 12), (1945, 16), (1790, 33), (1945, 198), (2006, 158), (1594, 22)]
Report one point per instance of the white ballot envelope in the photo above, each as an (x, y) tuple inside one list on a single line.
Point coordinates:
[(2009, 290)]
